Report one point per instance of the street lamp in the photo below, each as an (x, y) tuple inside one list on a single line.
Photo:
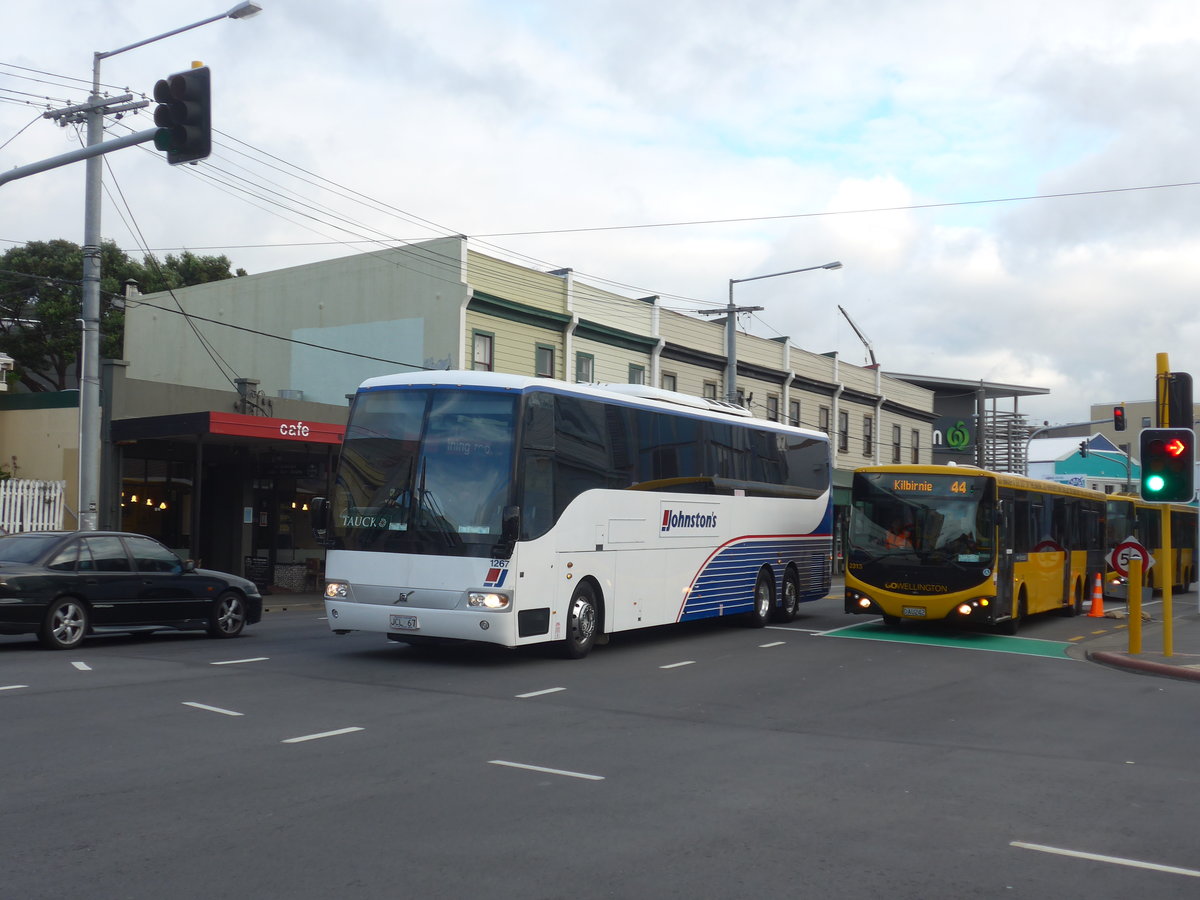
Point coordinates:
[(89, 379), (731, 312)]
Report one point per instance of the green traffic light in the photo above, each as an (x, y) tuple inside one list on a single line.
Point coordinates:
[(1155, 483)]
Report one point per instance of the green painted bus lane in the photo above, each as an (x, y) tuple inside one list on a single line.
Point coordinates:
[(964, 640)]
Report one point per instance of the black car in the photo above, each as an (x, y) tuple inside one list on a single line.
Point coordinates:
[(64, 585)]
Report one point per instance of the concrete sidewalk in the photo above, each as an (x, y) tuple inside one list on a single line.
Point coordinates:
[(1184, 662)]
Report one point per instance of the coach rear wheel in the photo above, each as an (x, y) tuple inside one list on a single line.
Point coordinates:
[(764, 600), (790, 601)]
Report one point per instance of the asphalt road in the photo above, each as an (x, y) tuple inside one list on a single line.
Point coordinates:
[(705, 760)]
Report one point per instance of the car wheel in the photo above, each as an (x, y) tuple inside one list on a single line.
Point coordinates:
[(583, 618), (65, 625), (791, 598), (764, 600), (228, 616)]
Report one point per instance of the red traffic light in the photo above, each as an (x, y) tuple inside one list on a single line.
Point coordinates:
[(1175, 447)]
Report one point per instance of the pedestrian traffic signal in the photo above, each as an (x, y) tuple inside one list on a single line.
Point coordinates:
[(184, 115), (1118, 418), (1168, 464)]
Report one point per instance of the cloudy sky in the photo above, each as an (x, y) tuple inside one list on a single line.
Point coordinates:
[(1011, 185)]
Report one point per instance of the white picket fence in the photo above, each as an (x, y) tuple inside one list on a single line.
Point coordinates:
[(29, 505)]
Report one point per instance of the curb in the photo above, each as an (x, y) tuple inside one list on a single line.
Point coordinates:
[(1149, 667)]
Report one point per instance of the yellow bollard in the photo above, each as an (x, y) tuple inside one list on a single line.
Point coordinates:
[(1133, 588)]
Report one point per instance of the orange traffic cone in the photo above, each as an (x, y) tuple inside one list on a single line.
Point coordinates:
[(1097, 610)]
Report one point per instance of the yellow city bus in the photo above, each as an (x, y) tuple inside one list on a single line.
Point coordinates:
[(1128, 515), (967, 545)]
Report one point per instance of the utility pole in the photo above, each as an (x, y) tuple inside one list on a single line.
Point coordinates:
[(731, 310), (93, 113)]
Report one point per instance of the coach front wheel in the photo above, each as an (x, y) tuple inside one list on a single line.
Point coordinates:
[(583, 618)]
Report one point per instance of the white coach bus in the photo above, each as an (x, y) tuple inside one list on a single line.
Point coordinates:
[(513, 510)]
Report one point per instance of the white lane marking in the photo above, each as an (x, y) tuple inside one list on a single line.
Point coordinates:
[(234, 662), (540, 693), (323, 734), (847, 627), (82, 666), (772, 644), (1097, 857), (515, 765), (686, 662), (790, 628), (12, 687), (216, 709)]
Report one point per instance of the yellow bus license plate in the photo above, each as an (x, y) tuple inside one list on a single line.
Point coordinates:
[(914, 611)]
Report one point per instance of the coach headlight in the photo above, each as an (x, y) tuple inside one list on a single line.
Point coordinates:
[(336, 590), (488, 600)]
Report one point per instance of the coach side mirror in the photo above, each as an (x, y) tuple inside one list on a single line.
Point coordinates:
[(318, 516), (510, 530)]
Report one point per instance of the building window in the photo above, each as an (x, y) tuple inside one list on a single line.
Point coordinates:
[(868, 435), (772, 408), (637, 374), (585, 368), (668, 381), (916, 447), (895, 443), (544, 361), (483, 359), (824, 419), (710, 390), (843, 431), (1145, 421), (794, 412)]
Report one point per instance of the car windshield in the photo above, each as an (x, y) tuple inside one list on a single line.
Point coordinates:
[(25, 548)]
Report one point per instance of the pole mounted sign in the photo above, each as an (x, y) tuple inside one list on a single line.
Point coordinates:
[(1120, 556)]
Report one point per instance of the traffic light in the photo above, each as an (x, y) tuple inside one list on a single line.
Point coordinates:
[(184, 115), (1118, 418), (1083, 448), (1168, 464)]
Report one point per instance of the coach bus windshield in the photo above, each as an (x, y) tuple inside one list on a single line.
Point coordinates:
[(425, 471), (928, 519)]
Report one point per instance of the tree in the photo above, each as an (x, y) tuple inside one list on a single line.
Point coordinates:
[(41, 303)]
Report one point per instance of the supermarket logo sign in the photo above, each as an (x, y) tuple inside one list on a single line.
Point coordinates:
[(674, 520)]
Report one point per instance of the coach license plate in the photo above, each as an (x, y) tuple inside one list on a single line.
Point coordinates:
[(405, 623), (908, 611)]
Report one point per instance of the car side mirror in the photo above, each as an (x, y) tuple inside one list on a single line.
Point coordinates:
[(189, 565)]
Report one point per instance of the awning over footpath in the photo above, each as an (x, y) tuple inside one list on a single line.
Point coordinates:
[(227, 424)]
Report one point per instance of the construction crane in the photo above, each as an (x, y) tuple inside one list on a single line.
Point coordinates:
[(862, 337)]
